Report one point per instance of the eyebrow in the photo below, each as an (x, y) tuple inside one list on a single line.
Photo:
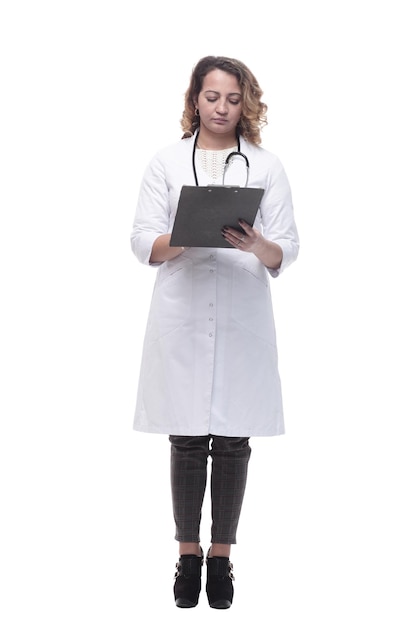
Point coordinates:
[(218, 93)]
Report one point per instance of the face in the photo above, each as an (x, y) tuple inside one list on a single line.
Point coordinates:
[(220, 102)]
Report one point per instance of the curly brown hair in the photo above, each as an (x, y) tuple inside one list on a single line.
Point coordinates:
[(253, 117)]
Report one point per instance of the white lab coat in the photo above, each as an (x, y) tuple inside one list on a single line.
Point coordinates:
[(209, 360)]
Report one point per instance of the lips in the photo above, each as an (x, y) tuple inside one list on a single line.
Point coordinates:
[(220, 120)]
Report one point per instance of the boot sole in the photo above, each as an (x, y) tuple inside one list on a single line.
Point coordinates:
[(221, 604), (183, 603)]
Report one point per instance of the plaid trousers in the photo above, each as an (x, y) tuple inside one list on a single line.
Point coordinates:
[(229, 466)]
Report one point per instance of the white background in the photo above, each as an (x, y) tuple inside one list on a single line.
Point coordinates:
[(90, 90)]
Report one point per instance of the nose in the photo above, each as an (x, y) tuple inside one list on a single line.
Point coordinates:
[(221, 107)]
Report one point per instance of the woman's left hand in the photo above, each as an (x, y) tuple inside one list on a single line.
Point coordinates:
[(268, 252), (248, 241)]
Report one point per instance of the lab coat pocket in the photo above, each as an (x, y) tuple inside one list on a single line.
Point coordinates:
[(171, 301), (251, 301)]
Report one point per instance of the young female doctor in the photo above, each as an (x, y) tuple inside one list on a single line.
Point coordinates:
[(209, 377)]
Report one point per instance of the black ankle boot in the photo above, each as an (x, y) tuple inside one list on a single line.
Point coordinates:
[(219, 585), (187, 584)]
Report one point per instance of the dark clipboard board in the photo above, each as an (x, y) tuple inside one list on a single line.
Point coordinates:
[(203, 211)]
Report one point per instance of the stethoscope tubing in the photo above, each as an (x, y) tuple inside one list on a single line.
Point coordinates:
[(227, 163)]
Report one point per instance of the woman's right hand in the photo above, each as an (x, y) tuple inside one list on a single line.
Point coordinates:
[(162, 251)]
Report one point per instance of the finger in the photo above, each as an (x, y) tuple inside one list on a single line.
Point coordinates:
[(230, 236), (235, 237), (231, 232), (246, 227)]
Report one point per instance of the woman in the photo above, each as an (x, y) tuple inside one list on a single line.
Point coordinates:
[(209, 377)]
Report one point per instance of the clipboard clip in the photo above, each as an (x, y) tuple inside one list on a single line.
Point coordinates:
[(234, 187)]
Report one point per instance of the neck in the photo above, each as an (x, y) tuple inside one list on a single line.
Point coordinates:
[(216, 142)]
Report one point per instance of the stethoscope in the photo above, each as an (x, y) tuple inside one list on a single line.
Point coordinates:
[(228, 162)]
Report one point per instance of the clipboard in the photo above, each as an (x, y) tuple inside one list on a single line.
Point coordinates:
[(203, 211)]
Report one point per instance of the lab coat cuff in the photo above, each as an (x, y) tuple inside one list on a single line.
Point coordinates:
[(289, 255), (273, 272), (142, 248)]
